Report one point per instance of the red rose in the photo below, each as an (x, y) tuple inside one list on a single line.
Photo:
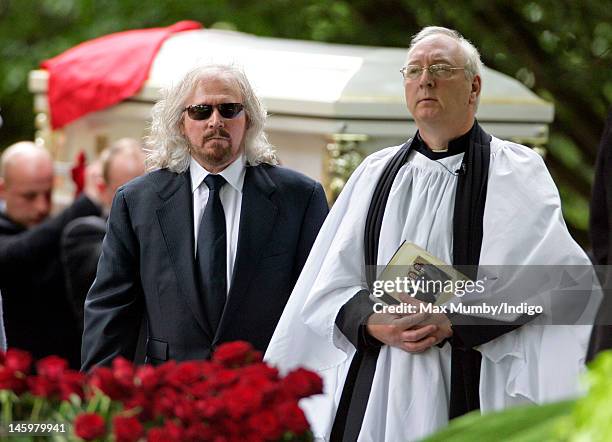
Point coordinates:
[(162, 371), (174, 431), (52, 367), (185, 410), (209, 368), (267, 424), (123, 372), (157, 435), (12, 380), (241, 400), (127, 429), (235, 354), (252, 436), (41, 386), (17, 360), (184, 374), (163, 403), (102, 378), (70, 383), (201, 389), (260, 369), (143, 403), (198, 432), (231, 430), (170, 432), (147, 377), (89, 426), (302, 383), (266, 387), (292, 417), (211, 408), (224, 378)]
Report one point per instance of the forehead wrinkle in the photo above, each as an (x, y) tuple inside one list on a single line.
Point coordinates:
[(224, 87), (433, 60), (451, 54)]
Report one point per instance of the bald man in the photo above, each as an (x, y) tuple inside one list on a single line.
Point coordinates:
[(37, 314), (26, 181), (82, 238)]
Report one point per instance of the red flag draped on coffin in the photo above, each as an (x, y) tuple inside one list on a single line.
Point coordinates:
[(102, 72)]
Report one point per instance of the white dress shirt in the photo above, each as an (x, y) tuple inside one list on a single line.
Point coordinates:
[(231, 200)]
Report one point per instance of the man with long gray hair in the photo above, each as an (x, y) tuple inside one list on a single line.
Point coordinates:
[(208, 246)]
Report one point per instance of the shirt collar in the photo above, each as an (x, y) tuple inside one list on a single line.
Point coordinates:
[(233, 174)]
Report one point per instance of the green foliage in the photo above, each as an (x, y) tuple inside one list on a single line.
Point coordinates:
[(561, 49), (592, 416), (520, 424), (586, 419)]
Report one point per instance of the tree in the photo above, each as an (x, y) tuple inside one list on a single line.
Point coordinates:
[(560, 49)]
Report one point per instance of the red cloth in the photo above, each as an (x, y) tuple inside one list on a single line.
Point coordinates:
[(78, 172), (99, 73)]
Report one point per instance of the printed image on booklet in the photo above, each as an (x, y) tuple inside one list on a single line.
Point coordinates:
[(422, 276)]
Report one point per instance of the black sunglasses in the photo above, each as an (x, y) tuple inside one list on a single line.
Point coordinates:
[(204, 111)]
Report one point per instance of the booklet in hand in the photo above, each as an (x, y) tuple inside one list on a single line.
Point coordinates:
[(415, 272)]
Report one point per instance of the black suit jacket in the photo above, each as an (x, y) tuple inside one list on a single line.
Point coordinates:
[(80, 248), (38, 317), (147, 266)]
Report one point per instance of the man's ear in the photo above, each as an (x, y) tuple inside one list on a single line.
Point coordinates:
[(2, 188), (476, 86)]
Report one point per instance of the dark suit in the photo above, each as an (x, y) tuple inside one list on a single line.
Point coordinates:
[(37, 315), (80, 248), (147, 265), (601, 239)]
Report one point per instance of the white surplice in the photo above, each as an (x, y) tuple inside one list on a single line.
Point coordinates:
[(522, 225)]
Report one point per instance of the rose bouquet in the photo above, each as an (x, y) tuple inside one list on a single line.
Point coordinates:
[(233, 397)]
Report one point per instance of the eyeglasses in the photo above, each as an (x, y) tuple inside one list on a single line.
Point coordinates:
[(439, 71), (204, 111)]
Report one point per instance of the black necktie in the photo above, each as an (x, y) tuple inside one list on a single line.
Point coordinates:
[(212, 252)]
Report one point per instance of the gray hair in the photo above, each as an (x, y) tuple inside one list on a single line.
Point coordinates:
[(167, 146), (473, 63)]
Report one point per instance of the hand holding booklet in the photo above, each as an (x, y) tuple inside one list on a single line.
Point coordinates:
[(415, 272)]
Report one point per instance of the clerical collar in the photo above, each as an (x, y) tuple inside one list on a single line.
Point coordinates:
[(456, 146)]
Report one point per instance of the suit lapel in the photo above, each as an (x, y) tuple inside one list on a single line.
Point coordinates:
[(175, 217), (257, 217)]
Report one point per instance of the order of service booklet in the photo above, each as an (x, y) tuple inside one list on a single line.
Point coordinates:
[(420, 274)]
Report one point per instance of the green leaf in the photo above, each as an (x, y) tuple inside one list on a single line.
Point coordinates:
[(525, 424)]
